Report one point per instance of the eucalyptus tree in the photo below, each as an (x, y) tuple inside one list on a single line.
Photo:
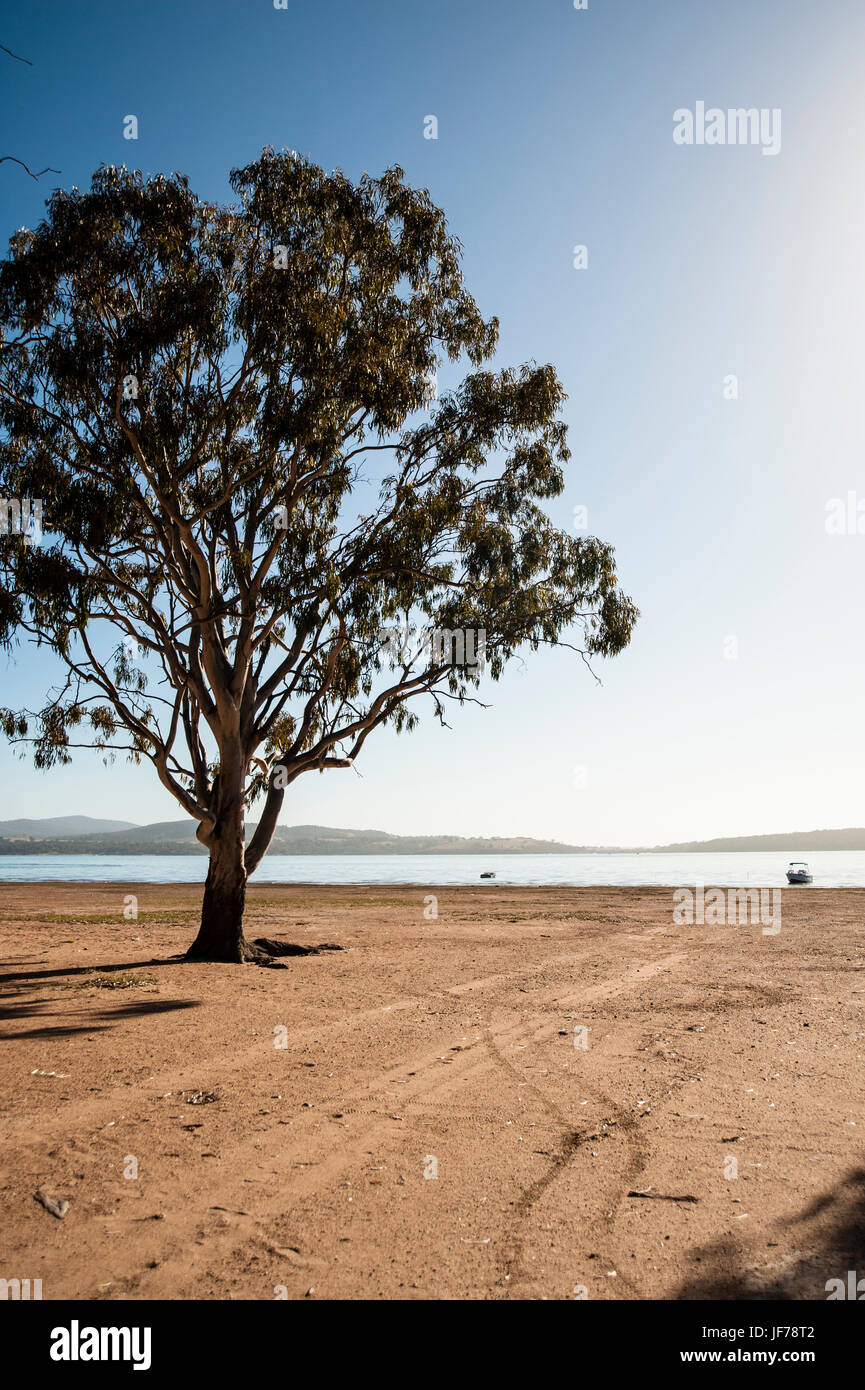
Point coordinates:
[(248, 483)]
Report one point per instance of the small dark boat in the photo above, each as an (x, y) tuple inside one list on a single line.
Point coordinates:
[(798, 872), (488, 874)]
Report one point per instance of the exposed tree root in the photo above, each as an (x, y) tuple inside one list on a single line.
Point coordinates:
[(289, 948), (265, 951)]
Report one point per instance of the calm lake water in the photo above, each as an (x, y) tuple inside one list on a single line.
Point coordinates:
[(830, 869)]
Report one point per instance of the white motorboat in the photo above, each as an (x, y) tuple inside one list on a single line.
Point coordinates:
[(798, 872)]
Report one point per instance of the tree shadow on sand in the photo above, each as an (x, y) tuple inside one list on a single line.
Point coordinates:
[(830, 1234), (18, 1001), (266, 945)]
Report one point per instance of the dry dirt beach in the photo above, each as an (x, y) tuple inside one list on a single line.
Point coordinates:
[(432, 1046)]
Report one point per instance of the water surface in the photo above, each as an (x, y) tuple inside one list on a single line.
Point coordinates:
[(831, 869)]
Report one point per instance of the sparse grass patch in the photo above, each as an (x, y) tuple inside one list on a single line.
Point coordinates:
[(592, 917), (547, 918), (183, 916), (121, 979)]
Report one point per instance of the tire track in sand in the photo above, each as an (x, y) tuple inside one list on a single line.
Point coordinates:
[(325, 1164)]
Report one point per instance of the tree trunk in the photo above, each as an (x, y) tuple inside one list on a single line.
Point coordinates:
[(220, 935)]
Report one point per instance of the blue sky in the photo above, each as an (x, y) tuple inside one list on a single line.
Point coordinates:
[(555, 129)]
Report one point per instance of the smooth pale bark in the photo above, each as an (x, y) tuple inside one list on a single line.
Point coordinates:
[(263, 835)]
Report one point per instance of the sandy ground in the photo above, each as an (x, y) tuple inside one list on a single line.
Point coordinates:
[(411, 1118)]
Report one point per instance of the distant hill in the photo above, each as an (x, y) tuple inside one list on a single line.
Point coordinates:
[(85, 835), (162, 830), (178, 837), (62, 827), (322, 839), (789, 841)]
